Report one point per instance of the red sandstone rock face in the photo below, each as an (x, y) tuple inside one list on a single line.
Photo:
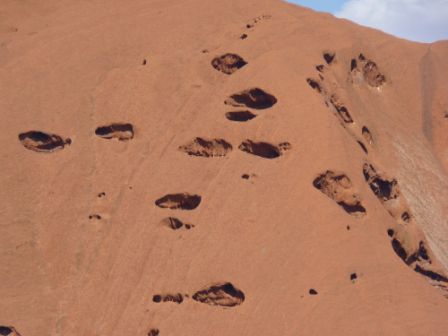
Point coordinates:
[(213, 168)]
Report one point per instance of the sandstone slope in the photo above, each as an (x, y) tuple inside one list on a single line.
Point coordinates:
[(230, 167)]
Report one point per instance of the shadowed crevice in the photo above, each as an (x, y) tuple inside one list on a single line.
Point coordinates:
[(224, 295), (38, 141), (122, 132), (183, 201), (228, 63), (252, 98)]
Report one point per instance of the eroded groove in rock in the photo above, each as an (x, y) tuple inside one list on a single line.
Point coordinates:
[(175, 298), (206, 147), (430, 274), (369, 70), (356, 209), (419, 260), (240, 116), (339, 188), (228, 63), (329, 57), (154, 332), (183, 201), (314, 84), (372, 75), (38, 141), (399, 250), (122, 132), (367, 135), (342, 111), (176, 224), (284, 146), (320, 67), (421, 254), (312, 291), (224, 295), (406, 217), (383, 188), (407, 240), (344, 114), (8, 331), (363, 147), (388, 193), (252, 98), (264, 149)]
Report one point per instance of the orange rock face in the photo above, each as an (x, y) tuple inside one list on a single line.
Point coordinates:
[(241, 167)]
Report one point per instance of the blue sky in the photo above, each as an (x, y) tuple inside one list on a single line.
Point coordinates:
[(416, 20), (321, 5)]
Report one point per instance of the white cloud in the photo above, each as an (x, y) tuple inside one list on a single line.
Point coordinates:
[(417, 20)]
